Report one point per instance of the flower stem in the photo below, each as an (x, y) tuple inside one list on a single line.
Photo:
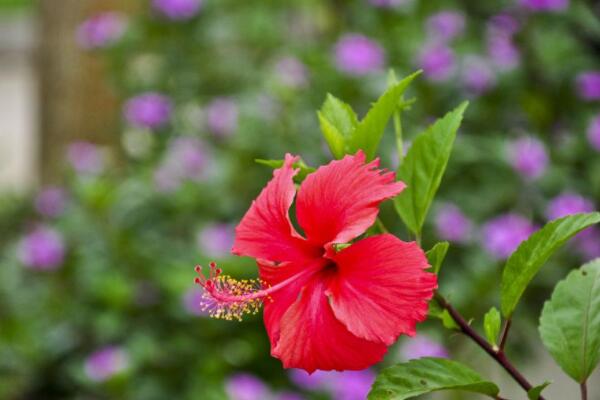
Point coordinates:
[(583, 387), (499, 355), (398, 132)]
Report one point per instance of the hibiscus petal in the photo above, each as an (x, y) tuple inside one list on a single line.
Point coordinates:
[(312, 338), (298, 275), (340, 200), (381, 289), (266, 232)]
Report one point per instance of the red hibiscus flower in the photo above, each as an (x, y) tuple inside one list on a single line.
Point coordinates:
[(326, 308)]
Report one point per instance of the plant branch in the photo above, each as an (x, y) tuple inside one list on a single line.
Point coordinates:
[(504, 335), (499, 356), (583, 387)]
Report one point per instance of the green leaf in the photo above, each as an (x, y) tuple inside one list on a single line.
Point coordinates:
[(436, 256), (570, 322), (369, 131), (304, 169), (443, 315), (491, 325), (531, 255), (423, 168), (338, 121), (426, 375), (340, 115), (334, 138), (535, 392)]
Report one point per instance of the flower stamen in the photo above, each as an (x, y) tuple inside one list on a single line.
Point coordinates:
[(227, 298)]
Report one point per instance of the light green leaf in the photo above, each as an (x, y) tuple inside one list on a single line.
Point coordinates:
[(570, 322), (423, 168), (304, 169), (531, 255), (334, 138), (535, 392), (340, 115), (491, 325), (426, 375), (436, 256), (369, 131), (443, 315)]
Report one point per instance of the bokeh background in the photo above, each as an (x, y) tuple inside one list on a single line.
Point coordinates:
[(128, 134)]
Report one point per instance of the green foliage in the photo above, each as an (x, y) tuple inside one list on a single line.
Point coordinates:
[(423, 168), (304, 169), (369, 131), (426, 375), (531, 255), (570, 322), (443, 315), (491, 325), (436, 256), (535, 392), (345, 135)]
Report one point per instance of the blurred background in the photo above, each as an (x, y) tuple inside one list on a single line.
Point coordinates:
[(128, 133)]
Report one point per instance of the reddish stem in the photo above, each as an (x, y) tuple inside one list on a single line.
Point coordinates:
[(499, 356)]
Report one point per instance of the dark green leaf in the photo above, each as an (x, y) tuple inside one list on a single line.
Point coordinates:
[(535, 392), (426, 375), (531, 255), (304, 169), (570, 322), (491, 325), (436, 256), (369, 131), (423, 168)]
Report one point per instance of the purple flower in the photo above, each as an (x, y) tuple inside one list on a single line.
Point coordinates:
[(291, 72), (289, 396), (352, 385), (422, 346), (101, 30), (357, 55), (42, 249), (593, 133), (318, 380), (588, 243), (477, 75), (346, 385), (51, 201), (445, 25), (588, 85), (177, 10), (503, 52), (216, 240), (149, 110), (503, 25), (437, 61), (222, 116), (244, 386), (105, 363), (528, 157), (192, 301), (503, 234), (568, 203), (185, 159), (85, 158), (387, 3), (545, 5), (452, 225), (166, 180)]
